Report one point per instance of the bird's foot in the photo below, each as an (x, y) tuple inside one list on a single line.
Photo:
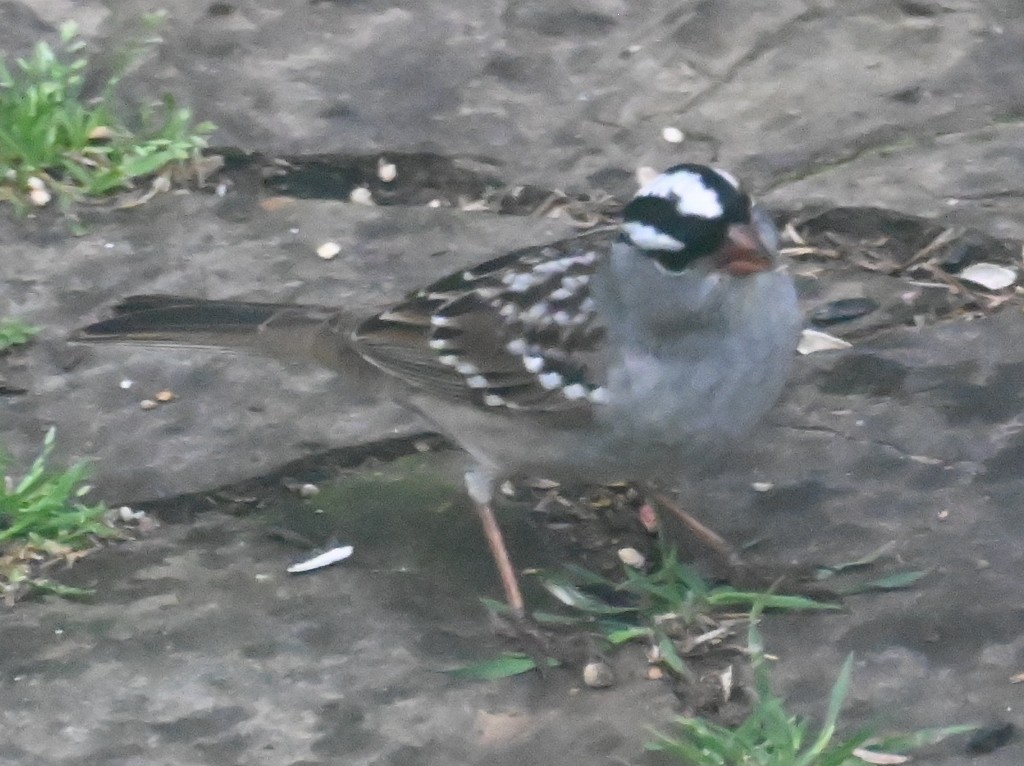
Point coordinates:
[(547, 647)]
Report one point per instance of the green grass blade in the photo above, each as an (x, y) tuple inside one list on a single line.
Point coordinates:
[(904, 743), (835, 703), (505, 666)]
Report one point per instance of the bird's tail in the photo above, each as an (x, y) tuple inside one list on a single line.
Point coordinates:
[(281, 330)]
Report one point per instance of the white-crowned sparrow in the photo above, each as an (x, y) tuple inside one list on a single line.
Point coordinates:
[(598, 358)]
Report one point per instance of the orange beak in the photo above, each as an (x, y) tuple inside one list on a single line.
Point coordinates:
[(744, 253)]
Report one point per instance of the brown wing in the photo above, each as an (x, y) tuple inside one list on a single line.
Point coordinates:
[(496, 335)]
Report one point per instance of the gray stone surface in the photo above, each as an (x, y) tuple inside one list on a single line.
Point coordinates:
[(198, 649)]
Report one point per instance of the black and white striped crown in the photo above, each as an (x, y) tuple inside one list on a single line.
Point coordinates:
[(684, 213)]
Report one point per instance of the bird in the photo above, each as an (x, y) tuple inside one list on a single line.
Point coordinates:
[(632, 353)]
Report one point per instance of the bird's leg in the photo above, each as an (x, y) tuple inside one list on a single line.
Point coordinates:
[(481, 490), (796, 579), (501, 558), (705, 534)]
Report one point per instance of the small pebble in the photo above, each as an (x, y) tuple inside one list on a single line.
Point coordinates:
[(39, 197), (328, 250), (386, 171), (762, 486), (672, 135), (361, 196), (631, 557), (148, 404), (126, 384), (597, 675), (309, 490), (165, 396), (654, 673)]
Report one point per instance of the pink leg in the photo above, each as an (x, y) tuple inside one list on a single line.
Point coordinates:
[(480, 485), (705, 534), (501, 558)]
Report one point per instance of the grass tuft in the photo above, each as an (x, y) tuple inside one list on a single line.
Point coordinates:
[(14, 332), (43, 521), (670, 607), (56, 144), (771, 736)]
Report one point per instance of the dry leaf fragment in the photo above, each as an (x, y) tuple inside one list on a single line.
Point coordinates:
[(991, 276), (945, 237), (645, 174), (333, 556), (273, 204), (160, 184), (790, 234), (813, 341), (725, 678), (870, 756)]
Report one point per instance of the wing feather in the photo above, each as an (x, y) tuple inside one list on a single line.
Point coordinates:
[(496, 335)]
